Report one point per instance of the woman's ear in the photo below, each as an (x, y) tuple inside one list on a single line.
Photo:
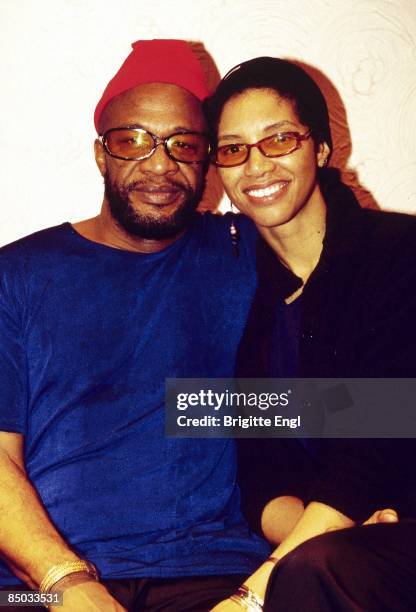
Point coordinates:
[(322, 154), (99, 156)]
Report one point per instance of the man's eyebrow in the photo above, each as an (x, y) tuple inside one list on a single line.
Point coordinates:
[(127, 125), (272, 126), (174, 130)]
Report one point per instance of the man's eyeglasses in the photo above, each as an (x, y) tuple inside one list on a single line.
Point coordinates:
[(134, 144), (279, 144)]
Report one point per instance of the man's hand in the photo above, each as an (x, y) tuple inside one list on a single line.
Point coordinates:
[(88, 597)]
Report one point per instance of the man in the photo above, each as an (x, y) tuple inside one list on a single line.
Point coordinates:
[(93, 318)]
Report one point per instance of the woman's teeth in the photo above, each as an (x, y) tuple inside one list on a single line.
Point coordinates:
[(267, 191)]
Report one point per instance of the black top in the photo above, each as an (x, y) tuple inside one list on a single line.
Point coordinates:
[(357, 319), (284, 358)]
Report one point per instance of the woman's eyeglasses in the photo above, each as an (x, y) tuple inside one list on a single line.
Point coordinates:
[(134, 144), (279, 144)]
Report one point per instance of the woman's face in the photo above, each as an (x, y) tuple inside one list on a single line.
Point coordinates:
[(271, 191)]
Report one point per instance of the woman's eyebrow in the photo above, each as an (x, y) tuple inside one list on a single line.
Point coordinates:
[(232, 137), (278, 125)]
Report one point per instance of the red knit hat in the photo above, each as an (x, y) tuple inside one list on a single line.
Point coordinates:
[(156, 61)]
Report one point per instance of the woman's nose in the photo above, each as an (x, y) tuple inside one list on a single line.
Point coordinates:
[(257, 164)]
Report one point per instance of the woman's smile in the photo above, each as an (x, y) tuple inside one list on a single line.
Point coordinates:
[(269, 193)]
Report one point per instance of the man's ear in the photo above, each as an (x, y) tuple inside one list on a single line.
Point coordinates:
[(99, 156), (322, 154)]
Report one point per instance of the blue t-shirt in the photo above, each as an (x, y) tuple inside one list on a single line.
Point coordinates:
[(89, 334)]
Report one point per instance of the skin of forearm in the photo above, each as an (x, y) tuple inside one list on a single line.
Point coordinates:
[(29, 542), (316, 519), (18, 572)]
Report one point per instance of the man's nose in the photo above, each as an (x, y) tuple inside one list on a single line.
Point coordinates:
[(159, 162), (257, 164)]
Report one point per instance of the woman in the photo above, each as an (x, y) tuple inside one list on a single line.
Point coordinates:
[(336, 297)]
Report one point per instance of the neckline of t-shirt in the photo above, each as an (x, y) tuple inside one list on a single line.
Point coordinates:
[(67, 225)]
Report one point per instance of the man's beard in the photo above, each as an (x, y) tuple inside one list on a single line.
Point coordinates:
[(149, 226)]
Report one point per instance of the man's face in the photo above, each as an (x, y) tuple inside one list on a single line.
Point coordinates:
[(155, 197)]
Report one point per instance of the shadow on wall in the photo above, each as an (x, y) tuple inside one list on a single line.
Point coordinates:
[(339, 128), (340, 135), (214, 190)]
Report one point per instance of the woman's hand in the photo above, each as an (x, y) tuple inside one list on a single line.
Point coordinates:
[(388, 515), (312, 524)]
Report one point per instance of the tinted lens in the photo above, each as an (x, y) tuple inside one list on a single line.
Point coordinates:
[(279, 144), (231, 155), (188, 147), (130, 144)]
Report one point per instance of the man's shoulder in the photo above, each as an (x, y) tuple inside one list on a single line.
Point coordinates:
[(213, 219), (218, 227), (38, 241), (28, 256), (216, 238)]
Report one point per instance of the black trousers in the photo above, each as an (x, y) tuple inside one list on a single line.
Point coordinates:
[(363, 569), (193, 594), (199, 593)]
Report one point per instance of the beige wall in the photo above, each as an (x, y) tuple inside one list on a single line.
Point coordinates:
[(56, 56)]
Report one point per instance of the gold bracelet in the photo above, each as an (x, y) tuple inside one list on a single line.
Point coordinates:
[(248, 599), (57, 572)]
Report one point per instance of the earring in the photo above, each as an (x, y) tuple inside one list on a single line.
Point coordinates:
[(234, 233)]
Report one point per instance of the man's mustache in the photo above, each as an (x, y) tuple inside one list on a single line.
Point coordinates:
[(165, 185)]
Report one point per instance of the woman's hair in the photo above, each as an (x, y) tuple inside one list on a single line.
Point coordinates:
[(288, 80)]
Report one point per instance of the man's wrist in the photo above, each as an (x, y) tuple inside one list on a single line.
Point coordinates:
[(57, 572)]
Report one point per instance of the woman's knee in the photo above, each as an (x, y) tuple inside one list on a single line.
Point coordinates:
[(322, 553)]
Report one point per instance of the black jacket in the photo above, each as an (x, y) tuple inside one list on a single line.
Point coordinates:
[(358, 319)]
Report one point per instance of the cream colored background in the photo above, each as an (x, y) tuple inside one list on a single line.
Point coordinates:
[(56, 57)]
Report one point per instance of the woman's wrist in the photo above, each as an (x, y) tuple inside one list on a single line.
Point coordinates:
[(248, 599), (257, 582)]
